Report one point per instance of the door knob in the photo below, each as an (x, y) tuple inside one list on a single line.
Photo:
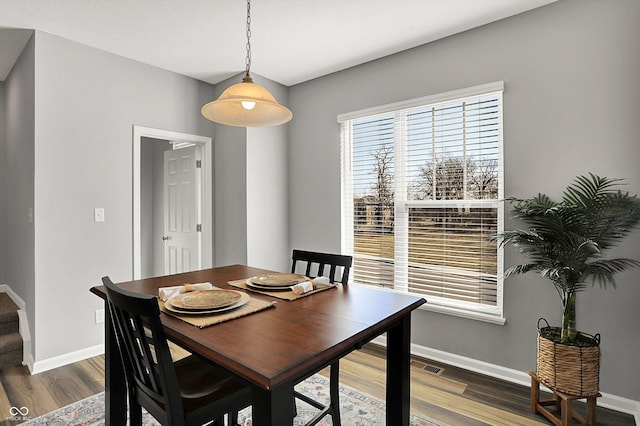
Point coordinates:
[(165, 238)]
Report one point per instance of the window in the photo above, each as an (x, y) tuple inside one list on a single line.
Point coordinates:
[(422, 182)]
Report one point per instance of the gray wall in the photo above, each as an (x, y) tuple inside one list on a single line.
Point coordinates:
[(17, 177), (250, 188), (146, 207), (157, 245), (86, 104), (3, 179), (267, 197), (76, 155), (571, 106), (152, 205), (229, 186)]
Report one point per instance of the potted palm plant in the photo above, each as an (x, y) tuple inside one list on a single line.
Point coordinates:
[(566, 242)]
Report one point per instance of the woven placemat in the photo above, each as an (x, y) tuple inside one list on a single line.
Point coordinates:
[(201, 321), (285, 295)]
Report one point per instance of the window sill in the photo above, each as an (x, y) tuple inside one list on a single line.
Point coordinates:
[(463, 313), (449, 310)]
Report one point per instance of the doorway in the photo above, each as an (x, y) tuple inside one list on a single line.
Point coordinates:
[(172, 215)]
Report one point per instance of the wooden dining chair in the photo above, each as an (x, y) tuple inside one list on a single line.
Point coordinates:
[(186, 392), (315, 265)]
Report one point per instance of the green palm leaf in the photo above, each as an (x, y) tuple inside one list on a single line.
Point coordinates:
[(566, 241)]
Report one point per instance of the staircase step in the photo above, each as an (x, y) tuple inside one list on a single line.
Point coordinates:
[(8, 327), (10, 359), (10, 350), (8, 315), (8, 308), (10, 342)]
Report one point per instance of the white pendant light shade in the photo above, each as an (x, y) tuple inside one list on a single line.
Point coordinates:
[(246, 104)]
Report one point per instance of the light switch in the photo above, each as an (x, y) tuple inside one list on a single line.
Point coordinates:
[(98, 215)]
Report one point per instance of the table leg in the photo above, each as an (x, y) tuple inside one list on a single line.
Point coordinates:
[(398, 380), (115, 397), (272, 407)]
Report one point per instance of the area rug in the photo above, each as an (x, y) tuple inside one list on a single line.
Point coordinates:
[(356, 409)]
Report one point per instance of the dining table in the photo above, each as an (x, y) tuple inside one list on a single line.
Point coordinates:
[(273, 349)]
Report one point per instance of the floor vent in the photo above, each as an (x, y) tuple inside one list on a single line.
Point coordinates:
[(433, 369)]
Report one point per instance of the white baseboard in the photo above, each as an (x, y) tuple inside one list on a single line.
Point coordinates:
[(65, 359), (614, 402), (27, 356)]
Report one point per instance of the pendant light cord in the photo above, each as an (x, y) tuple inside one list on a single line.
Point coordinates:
[(248, 60)]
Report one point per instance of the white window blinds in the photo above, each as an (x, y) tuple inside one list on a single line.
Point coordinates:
[(421, 184)]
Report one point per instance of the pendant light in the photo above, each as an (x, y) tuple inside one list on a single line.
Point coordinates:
[(247, 104)]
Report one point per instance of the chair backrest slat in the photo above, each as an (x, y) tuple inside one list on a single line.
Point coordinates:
[(334, 261), (139, 355), (144, 348)]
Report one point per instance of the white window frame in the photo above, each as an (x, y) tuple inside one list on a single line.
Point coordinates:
[(492, 314)]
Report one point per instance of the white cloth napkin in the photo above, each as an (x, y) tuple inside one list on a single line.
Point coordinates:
[(322, 282), (302, 288), (307, 286), (165, 293)]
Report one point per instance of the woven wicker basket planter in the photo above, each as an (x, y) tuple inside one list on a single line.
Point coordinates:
[(574, 370)]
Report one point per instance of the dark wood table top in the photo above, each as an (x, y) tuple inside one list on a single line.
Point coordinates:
[(282, 344)]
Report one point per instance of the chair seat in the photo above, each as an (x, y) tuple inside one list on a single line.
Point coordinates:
[(197, 379), (204, 388)]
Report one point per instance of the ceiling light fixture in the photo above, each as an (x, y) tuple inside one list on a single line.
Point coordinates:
[(247, 104)]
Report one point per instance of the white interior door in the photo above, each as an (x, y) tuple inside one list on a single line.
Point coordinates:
[(182, 236), (142, 190)]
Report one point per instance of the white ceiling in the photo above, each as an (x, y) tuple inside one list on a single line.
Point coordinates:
[(292, 40)]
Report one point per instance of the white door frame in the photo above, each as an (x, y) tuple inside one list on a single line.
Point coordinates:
[(207, 218)]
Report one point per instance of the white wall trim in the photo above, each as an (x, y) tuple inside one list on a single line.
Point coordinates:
[(207, 166), (614, 402), (482, 89), (23, 321), (68, 358)]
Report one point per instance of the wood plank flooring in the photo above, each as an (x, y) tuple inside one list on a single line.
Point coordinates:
[(454, 396), (460, 397), (50, 390)]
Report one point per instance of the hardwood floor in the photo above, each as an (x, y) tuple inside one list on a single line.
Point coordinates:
[(459, 397), (453, 396), (47, 391)]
